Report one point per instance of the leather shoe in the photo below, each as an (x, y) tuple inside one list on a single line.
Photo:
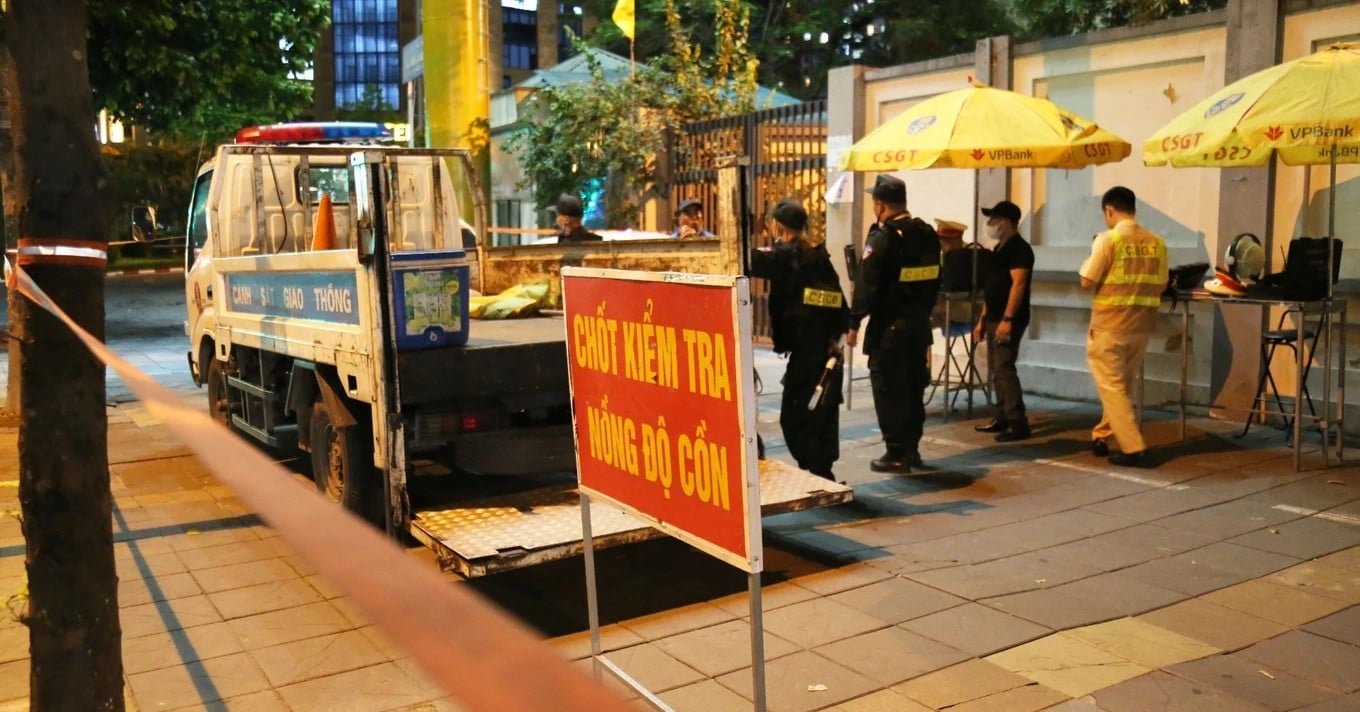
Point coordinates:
[(1013, 435), (889, 463), (996, 426), (913, 459), (1100, 448), (1132, 459)]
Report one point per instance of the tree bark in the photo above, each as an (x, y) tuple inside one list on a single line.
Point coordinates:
[(60, 191), (6, 227)]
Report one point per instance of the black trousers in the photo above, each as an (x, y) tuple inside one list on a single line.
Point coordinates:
[(1001, 358), (899, 374), (813, 436)]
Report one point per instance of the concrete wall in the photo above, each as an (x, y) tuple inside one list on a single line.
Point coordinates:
[(1131, 81), (1131, 87)]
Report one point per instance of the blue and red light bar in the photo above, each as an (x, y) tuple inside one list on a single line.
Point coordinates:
[(314, 132)]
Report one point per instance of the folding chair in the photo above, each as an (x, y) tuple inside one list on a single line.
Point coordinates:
[(1270, 341), (962, 376)]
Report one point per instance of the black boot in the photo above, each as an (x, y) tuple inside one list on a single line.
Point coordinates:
[(998, 425), (890, 462), (1133, 459)]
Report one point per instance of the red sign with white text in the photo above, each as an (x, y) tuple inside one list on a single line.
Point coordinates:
[(663, 396)]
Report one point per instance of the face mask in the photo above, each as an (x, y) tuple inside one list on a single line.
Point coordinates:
[(994, 233)]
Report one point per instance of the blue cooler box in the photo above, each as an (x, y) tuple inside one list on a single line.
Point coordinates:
[(430, 298)]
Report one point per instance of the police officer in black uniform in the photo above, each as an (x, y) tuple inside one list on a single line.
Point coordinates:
[(809, 315), (898, 281)]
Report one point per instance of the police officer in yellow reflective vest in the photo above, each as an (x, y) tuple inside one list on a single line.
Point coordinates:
[(808, 315), (898, 281), (1128, 271)]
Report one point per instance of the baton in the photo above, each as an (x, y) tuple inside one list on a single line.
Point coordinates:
[(832, 362)]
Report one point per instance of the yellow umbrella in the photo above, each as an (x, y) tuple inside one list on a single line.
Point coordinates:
[(1306, 110), (982, 127)]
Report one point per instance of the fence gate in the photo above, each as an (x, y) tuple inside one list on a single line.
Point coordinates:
[(786, 152)]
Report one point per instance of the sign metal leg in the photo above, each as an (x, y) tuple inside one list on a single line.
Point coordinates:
[(592, 592), (757, 644)]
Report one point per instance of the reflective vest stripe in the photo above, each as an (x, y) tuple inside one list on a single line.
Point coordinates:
[(822, 298), (919, 274), (1136, 276)]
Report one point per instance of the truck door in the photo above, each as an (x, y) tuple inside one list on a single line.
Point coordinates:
[(409, 232)]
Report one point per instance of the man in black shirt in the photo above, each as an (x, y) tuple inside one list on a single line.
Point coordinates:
[(1005, 314), (896, 287), (570, 210)]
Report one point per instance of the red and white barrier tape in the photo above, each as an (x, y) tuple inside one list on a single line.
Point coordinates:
[(85, 253), (480, 655), (54, 250)]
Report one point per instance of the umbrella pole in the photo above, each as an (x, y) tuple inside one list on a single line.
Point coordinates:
[(972, 281), (1331, 225)]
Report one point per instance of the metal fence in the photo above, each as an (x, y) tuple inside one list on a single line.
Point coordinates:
[(786, 152)]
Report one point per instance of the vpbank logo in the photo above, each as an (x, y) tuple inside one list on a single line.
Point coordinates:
[(920, 124), (1274, 133), (1223, 104)]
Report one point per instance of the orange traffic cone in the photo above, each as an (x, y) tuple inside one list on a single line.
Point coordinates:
[(323, 237)]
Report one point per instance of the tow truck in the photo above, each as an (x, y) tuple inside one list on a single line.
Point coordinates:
[(327, 283)]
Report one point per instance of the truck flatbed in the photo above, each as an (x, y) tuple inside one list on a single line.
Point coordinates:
[(497, 333), (485, 535)]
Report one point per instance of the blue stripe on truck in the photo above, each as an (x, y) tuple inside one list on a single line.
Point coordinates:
[(320, 296)]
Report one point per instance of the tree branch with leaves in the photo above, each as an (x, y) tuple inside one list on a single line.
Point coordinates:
[(203, 68), (613, 126)]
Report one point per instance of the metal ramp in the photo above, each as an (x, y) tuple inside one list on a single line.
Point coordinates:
[(498, 533)]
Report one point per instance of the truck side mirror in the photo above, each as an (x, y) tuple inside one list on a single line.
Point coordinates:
[(143, 223)]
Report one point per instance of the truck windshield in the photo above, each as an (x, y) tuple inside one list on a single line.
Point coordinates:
[(198, 211), (327, 179)]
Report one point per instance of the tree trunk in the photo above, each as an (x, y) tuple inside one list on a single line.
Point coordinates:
[(6, 226), (60, 192)]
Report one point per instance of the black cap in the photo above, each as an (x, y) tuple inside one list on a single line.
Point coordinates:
[(790, 214), (889, 189), (1004, 209), (687, 204), (569, 205)]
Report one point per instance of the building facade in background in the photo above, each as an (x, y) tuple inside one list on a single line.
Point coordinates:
[(535, 36), (359, 61), (367, 53)]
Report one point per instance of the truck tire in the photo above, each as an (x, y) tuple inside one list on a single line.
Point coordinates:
[(342, 461), (219, 396)]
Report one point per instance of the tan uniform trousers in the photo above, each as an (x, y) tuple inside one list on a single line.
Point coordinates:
[(1116, 358)]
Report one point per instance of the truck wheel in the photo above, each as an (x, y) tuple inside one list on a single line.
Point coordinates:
[(342, 461), (219, 399)]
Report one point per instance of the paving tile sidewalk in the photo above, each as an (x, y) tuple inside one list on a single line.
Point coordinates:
[(1022, 577)]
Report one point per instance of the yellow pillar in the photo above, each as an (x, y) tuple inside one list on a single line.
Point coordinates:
[(457, 83)]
